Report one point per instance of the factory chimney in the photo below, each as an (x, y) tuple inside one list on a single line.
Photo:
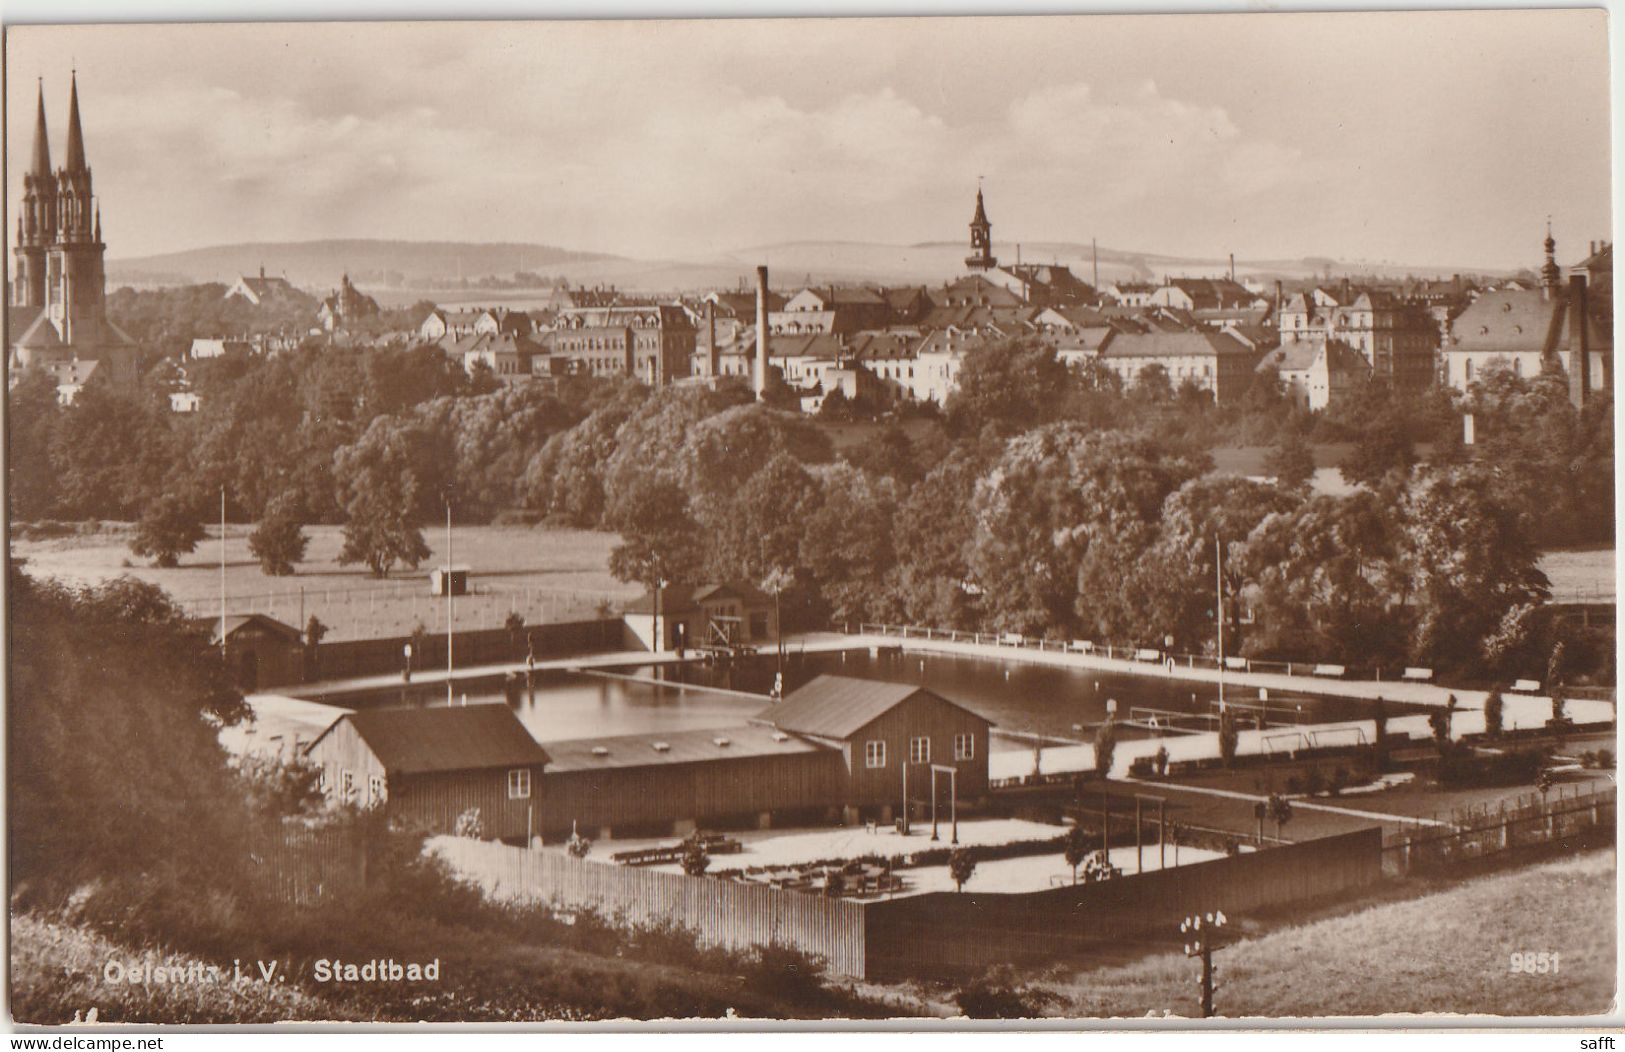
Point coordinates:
[(1232, 267), (711, 361), (760, 385)]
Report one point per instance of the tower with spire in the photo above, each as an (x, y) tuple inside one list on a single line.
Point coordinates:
[(1551, 275), (58, 297), (981, 237)]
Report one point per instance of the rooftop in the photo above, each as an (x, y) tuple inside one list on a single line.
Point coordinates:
[(674, 747), (444, 738)]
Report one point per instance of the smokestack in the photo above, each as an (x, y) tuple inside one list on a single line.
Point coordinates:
[(1232, 266), (1094, 252), (711, 362), (760, 385), (1579, 343)]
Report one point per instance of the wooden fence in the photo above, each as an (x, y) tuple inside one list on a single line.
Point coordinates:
[(486, 646), (306, 866), (949, 933), (722, 913), (1533, 821)]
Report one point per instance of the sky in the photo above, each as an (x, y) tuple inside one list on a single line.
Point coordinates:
[(1421, 137)]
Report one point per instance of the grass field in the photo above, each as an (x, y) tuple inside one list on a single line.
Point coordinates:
[(544, 574), (1445, 951)]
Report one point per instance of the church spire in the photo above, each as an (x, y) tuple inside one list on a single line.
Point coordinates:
[(1551, 276), (76, 138), (981, 237), (42, 142)]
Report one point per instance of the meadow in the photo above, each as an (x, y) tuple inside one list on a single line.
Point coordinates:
[(543, 574)]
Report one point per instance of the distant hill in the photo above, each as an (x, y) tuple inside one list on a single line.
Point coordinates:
[(317, 265), (403, 271)]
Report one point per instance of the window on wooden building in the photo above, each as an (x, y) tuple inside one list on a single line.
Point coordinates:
[(519, 783), (919, 750), (375, 789), (347, 784), (874, 754), (964, 746)]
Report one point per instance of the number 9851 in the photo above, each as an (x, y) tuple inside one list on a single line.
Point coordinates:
[(1532, 963)]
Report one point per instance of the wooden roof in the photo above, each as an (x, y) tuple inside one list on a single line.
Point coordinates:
[(444, 738)]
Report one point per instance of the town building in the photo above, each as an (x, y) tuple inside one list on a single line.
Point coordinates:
[(261, 289), (345, 307), (1215, 362), (1317, 374), (427, 767), (654, 344), (1567, 326), (58, 304)]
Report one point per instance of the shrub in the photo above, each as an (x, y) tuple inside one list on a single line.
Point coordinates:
[(786, 973), (1099, 867), (996, 994), (1313, 781), (1465, 768), (1228, 736), (961, 864), (1494, 709), (1605, 759), (696, 860), (1339, 780), (1105, 747), (1294, 785), (469, 825)]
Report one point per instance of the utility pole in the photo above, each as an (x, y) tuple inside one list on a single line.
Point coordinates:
[(1204, 928), (450, 591)]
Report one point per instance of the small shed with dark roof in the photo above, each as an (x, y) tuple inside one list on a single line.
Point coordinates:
[(428, 766)]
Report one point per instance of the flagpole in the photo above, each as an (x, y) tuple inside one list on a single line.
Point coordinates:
[(1218, 595), (449, 601), (222, 573)]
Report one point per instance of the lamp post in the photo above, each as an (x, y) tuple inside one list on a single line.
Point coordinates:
[(450, 592), (1204, 929)]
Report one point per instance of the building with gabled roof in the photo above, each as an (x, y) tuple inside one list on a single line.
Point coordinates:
[(883, 730), (258, 289), (724, 615), (1215, 362), (428, 766), (1315, 374)]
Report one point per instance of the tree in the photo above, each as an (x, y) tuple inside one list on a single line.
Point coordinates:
[(279, 541), (1493, 710), (1009, 387), (696, 859), (1327, 581), (1105, 747), (315, 631), (660, 541), (168, 529), (390, 480), (961, 864), (514, 623), (32, 412), (1279, 809), (1228, 737), (1291, 461), (1076, 849), (1467, 561)]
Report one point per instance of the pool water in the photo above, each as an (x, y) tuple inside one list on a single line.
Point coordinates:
[(1016, 696)]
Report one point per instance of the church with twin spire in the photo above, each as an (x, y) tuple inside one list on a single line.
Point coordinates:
[(58, 298)]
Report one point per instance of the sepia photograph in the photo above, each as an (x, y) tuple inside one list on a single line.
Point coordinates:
[(1083, 520)]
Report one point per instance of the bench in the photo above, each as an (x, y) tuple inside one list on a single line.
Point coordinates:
[(1082, 646), (1145, 654), (1334, 671), (1526, 686), (1420, 675), (1237, 663)]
